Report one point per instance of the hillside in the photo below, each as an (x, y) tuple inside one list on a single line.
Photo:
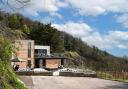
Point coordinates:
[(18, 27), (8, 79)]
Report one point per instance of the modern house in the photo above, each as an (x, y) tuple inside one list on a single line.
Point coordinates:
[(35, 56)]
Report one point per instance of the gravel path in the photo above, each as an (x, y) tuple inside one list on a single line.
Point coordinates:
[(58, 82)]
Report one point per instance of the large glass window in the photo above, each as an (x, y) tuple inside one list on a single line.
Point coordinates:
[(44, 51), (40, 52)]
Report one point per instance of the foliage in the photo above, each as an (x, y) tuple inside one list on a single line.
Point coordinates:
[(47, 35), (8, 79), (71, 54), (1, 18), (5, 49), (93, 57), (14, 21), (25, 29)]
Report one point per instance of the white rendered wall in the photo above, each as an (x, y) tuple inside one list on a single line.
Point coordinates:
[(43, 47)]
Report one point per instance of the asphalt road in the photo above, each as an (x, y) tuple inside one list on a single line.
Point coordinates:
[(58, 82)]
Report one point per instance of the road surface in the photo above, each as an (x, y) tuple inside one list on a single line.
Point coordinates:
[(58, 82)]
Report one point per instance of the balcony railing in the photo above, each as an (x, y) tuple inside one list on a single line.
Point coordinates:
[(54, 55), (41, 55)]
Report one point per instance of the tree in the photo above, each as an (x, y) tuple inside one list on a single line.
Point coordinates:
[(1, 17), (125, 57), (47, 35), (14, 21), (5, 49), (26, 29)]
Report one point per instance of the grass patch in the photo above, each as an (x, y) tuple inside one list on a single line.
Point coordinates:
[(71, 54)]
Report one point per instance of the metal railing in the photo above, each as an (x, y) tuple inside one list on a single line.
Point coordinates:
[(37, 55), (41, 56)]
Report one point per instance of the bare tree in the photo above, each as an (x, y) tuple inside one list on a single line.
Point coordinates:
[(13, 4)]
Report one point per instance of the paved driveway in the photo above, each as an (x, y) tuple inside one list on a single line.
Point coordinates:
[(57, 82)]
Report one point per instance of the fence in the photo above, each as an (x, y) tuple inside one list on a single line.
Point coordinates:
[(113, 75)]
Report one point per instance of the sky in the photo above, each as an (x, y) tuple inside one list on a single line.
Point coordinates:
[(103, 23)]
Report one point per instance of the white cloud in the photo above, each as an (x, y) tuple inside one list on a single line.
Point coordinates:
[(123, 19), (114, 39), (76, 29), (98, 7), (37, 6), (57, 15), (85, 7), (34, 7), (82, 7), (101, 7)]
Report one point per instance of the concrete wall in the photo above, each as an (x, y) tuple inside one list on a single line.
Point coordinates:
[(43, 47), (22, 52), (31, 73), (72, 74)]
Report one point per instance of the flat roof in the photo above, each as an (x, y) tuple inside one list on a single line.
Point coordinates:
[(41, 47), (52, 58)]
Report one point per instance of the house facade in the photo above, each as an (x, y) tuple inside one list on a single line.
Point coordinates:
[(35, 56), (25, 51), (40, 53)]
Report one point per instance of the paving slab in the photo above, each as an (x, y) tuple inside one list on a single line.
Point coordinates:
[(28, 81)]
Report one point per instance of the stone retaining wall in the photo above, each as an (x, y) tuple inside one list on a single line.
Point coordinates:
[(68, 74), (31, 73), (71, 74)]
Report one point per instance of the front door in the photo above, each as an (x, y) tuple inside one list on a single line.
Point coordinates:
[(37, 62)]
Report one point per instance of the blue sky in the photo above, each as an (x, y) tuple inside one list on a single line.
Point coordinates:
[(103, 23)]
